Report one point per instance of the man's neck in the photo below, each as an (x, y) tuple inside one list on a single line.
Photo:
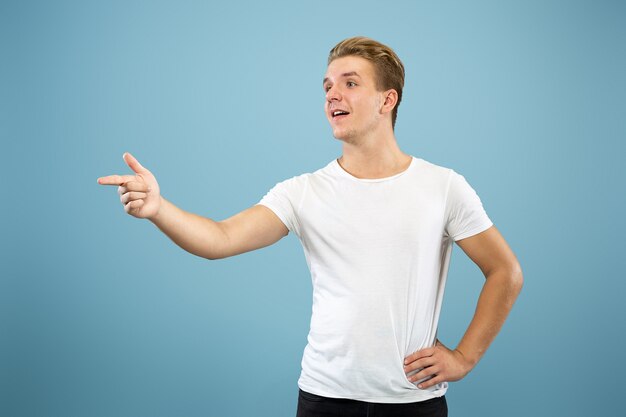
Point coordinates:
[(374, 158)]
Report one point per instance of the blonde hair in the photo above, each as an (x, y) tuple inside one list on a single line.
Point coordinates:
[(389, 70)]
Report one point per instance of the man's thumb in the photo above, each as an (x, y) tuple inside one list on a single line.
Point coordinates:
[(133, 163)]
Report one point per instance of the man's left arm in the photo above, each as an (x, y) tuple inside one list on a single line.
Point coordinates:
[(503, 283)]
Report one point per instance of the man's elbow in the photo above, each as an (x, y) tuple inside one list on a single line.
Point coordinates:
[(516, 278), (215, 255), (219, 247), (509, 276)]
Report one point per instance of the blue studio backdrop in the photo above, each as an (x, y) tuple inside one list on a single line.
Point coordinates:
[(102, 315)]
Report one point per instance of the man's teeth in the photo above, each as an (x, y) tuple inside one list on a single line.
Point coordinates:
[(338, 112)]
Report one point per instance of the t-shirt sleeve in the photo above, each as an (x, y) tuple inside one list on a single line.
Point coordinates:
[(465, 215), (283, 200)]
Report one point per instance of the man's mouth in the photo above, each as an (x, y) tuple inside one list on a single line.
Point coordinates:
[(339, 114)]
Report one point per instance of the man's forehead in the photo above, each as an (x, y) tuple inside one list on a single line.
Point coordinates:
[(350, 66)]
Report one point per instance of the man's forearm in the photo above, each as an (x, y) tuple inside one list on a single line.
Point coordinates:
[(198, 235), (494, 304)]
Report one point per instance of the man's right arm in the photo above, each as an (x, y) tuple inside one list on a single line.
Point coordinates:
[(253, 228)]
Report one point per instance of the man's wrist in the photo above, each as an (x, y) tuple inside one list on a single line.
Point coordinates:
[(154, 219), (469, 360)]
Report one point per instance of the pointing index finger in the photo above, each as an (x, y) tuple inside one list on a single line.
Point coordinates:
[(115, 179)]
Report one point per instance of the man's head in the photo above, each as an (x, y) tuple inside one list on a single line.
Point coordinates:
[(387, 67)]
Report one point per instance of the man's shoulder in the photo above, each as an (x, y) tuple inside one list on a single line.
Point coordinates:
[(295, 182), (433, 170), (303, 177)]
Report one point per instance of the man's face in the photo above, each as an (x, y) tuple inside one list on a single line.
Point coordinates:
[(353, 103)]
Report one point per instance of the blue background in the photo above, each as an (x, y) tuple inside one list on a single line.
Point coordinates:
[(102, 315)]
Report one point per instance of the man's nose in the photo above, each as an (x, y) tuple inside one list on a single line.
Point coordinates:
[(333, 94)]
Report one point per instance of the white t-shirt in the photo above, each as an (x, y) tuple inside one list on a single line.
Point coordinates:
[(378, 251)]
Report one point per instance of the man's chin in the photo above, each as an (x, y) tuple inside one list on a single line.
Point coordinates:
[(342, 135)]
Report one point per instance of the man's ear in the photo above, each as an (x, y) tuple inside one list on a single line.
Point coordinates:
[(390, 101)]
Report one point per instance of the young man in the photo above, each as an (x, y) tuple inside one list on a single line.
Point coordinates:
[(377, 227)]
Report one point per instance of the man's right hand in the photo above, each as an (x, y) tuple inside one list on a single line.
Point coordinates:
[(251, 229), (139, 193)]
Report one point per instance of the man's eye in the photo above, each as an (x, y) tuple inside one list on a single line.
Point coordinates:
[(351, 83)]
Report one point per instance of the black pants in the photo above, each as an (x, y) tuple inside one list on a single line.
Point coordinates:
[(311, 405)]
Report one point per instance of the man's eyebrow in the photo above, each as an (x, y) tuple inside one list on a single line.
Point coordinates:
[(345, 74)]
